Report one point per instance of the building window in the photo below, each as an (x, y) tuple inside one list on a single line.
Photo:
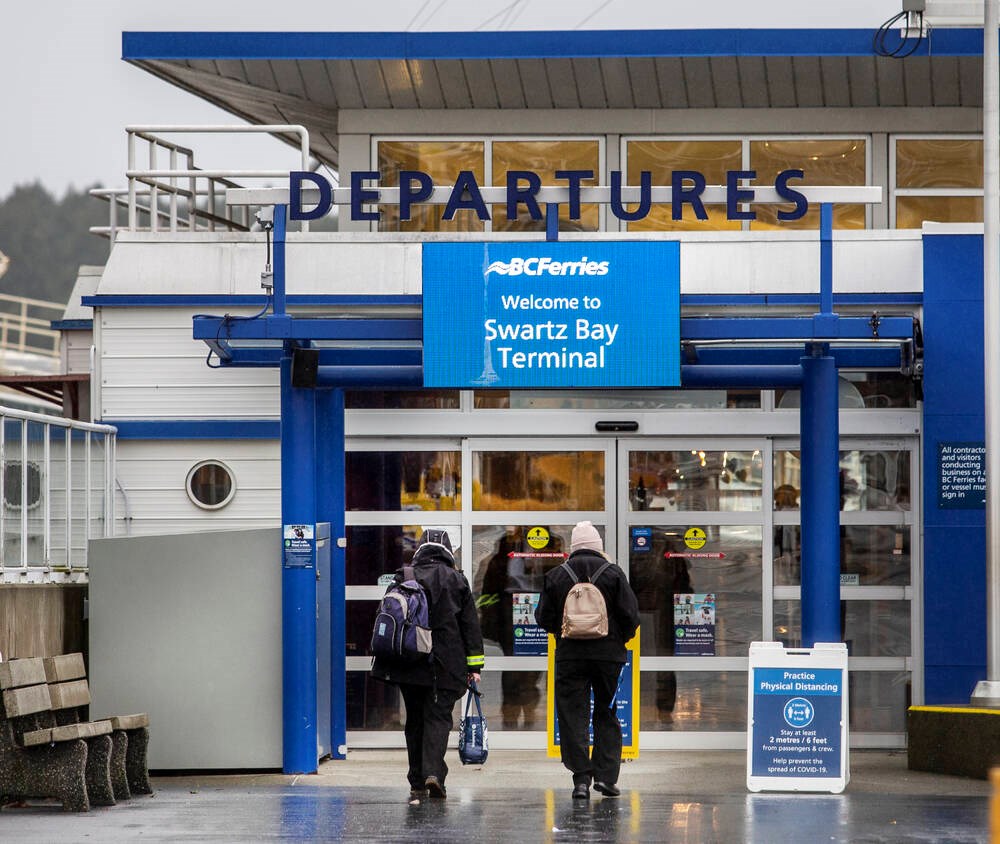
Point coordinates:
[(937, 179), (442, 161), (489, 161), (824, 161), (12, 489), (211, 485)]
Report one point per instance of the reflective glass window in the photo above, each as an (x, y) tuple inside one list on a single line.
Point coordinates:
[(927, 169), (403, 480), (376, 550), (939, 163), (669, 576), (693, 701), (870, 628), (913, 211), (210, 485), (538, 480), (870, 555), (442, 161), (695, 480), (869, 480), (832, 161), (615, 400), (545, 158), (401, 399), (710, 158), (875, 389)]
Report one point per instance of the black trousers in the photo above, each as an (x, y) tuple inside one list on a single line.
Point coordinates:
[(575, 679), (428, 725)]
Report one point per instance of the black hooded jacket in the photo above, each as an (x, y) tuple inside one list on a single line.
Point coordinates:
[(457, 641), (623, 609)]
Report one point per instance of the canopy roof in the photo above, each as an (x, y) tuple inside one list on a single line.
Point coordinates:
[(308, 77)]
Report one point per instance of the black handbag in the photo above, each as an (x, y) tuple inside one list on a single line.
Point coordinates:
[(473, 734)]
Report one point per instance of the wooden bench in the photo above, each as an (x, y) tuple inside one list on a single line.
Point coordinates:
[(37, 759), (70, 693)]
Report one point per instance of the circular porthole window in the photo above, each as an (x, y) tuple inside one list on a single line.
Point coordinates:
[(12, 485), (211, 485)]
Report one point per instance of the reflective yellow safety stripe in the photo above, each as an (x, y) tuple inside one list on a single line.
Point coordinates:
[(476, 661)]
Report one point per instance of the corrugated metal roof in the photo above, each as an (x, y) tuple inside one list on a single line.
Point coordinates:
[(308, 77)]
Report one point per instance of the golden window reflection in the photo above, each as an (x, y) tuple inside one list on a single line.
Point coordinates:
[(545, 158), (711, 158), (442, 161), (833, 161), (913, 211), (939, 163), (538, 480)]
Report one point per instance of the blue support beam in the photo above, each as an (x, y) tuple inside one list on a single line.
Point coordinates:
[(820, 501), (370, 376), (760, 377), (298, 578)]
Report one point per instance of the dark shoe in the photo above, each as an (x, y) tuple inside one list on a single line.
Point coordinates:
[(608, 789), (435, 789), (581, 791), (417, 794)]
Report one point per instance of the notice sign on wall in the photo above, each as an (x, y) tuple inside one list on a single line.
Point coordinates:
[(962, 468), (551, 314)]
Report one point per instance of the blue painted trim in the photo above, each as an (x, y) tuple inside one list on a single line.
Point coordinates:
[(72, 325), (177, 300), (811, 299), (173, 300), (623, 43), (196, 429)]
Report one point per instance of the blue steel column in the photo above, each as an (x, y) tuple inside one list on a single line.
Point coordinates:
[(330, 507), (298, 584), (820, 460), (820, 432)]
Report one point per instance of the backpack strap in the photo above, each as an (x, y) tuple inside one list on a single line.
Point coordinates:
[(600, 571), (569, 571), (408, 573)]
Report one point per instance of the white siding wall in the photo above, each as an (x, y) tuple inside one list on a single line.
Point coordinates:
[(154, 473)]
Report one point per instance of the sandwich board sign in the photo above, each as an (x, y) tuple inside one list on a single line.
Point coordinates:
[(797, 718)]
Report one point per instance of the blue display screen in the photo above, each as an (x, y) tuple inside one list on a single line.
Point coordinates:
[(551, 315)]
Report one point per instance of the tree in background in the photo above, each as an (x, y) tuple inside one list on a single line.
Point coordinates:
[(47, 239)]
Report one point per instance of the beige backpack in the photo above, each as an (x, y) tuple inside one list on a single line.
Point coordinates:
[(585, 614)]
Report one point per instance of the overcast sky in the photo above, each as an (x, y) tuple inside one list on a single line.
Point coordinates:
[(67, 95)]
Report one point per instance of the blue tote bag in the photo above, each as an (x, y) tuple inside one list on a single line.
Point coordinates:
[(473, 735)]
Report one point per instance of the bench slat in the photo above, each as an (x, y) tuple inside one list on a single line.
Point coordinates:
[(59, 669), (22, 672), (71, 694), (88, 729), (130, 722), (36, 737), (26, 700)]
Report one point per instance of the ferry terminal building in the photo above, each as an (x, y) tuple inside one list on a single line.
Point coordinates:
[(696, 485)]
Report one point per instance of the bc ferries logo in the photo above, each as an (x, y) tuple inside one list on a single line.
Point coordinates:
[(546, 266)]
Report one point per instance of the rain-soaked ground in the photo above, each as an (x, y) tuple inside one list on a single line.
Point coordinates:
[(520, 797)]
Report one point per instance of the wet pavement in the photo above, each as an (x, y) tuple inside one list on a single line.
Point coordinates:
[(682, 796)]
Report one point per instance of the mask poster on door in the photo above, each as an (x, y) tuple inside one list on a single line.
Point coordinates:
[(551, 314)]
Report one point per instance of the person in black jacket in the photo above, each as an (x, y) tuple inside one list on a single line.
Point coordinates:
[(589, 665), (430, 688)]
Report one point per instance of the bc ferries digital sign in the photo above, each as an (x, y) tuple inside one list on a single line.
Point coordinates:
[(551, 315)]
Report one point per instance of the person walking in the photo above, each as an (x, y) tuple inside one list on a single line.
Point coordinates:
[(592, 665), (431, 687)]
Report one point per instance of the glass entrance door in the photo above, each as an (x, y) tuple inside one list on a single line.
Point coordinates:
[(526, 498), (692, 524)]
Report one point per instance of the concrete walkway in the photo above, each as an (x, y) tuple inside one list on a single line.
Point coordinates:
[(518, 796)]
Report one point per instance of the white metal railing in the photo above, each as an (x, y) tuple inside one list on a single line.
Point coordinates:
[(171, 194), (26, 328), (56, 493)]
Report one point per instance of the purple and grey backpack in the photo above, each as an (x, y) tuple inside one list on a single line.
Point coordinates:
[(402, 625)]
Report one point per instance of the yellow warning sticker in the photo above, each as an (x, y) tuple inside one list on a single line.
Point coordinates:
[(694, 538), (538, 537)]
